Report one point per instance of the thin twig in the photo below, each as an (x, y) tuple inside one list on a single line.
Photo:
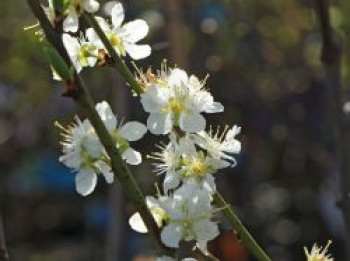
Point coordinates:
[(239, 229)]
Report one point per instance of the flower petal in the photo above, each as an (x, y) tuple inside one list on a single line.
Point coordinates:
[(171, 181), (159, 123), (177, 77), (192, 122), (107, 115), (137, 52), (214, 108), (71, 23), (85, 181), (106, 171), (135, 31), (91, 6), (137, 224), (132, 131), (132, 156), (171, 235), (117, 15)]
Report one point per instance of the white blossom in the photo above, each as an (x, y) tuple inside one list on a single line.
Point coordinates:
[(189, 213), (177, 100), (220, 146), (83, 152), (136, 222), (74, 10), (318, 254), (122, 133), (122, 37), (85, 155), (81, 52)]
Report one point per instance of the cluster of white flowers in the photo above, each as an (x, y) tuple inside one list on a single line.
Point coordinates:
[(176, 103), (84, 153), (189, 161), (87, 49)]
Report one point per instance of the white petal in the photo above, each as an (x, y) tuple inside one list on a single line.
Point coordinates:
[(171, 235), (206, 230), (177, 77), (135, 31), (106, 171), (137, 52), (137, 224), (103, 23), (154, 98), (192, 122), (85, 181), (214, 108), (71, 44), (71, 23), (132, 156), (132, 131), (117, 15), (209, 184), (171, 181), (91, 6), (159, 123), (107, 115)]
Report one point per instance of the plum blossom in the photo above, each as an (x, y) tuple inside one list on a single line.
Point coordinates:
[(219, 146), (175, 99), (74, 10), (189, 213), (85, 155), (159, 215), (81, 52), (122, 37)]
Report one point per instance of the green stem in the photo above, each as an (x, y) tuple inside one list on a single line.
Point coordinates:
[(123, 69), (239, 229), (119, 167)]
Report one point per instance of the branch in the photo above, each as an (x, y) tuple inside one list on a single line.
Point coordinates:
[(239, 229), (84, 101)]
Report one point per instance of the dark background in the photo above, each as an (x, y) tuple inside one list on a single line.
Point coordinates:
[(263, 58)]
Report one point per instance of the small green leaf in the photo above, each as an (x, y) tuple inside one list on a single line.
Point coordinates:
[(57, 62), (60, 6)]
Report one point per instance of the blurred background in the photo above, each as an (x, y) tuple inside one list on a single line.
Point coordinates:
[(263, 58)]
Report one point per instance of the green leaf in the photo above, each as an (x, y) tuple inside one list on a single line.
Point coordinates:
[(57, 62), (60, 6)]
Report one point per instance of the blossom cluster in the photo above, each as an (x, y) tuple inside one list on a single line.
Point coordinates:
[(84, 153), (87, 50), (176, 103), (188, 162)]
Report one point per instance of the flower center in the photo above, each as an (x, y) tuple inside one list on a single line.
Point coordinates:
[(78, 6), (117, 42), (84, 53)]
